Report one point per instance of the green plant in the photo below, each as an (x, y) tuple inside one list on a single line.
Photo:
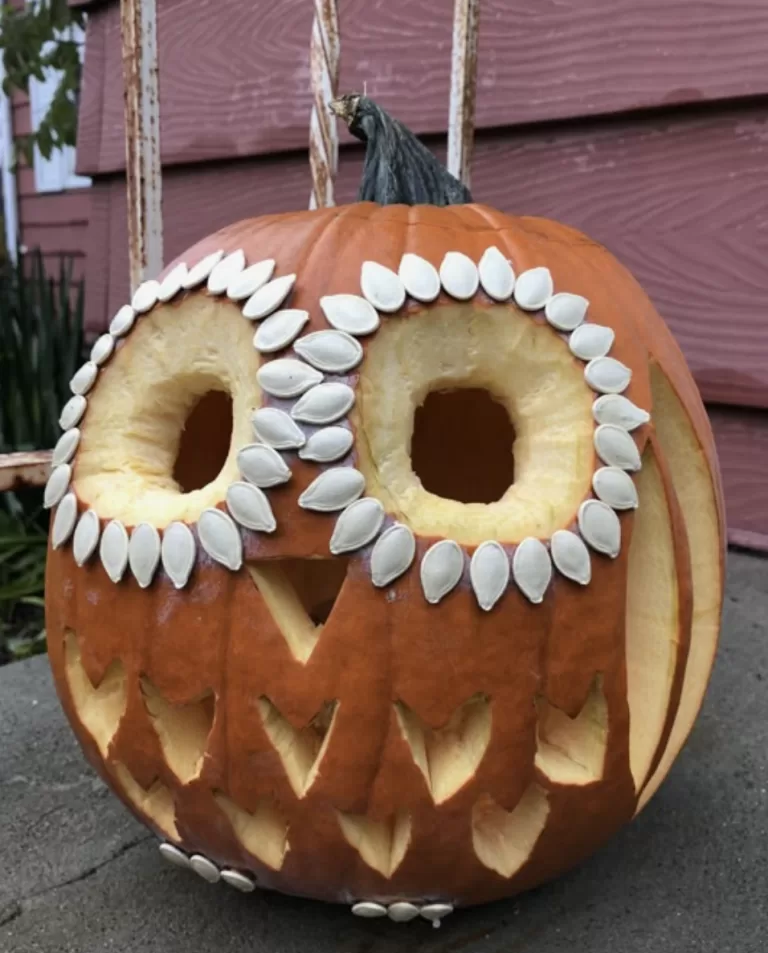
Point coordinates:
[(41, 343)]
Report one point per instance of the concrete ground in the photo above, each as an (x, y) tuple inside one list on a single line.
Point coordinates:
[(79, 875)]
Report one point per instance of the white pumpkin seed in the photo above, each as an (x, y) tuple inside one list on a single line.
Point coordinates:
[(239, 881), (198, 273), (113, 550), (178, 551), (534, 288), (590, 341), (57, 485), (173, 282), (600, 527), (496, 274), (333, 490), (571, 556), (421, 279), (225, 271), (335, 352), (619, 410), (459, 275), (382, 287), (327, 445), (205, 868), (566, 311), (66, 447), (123, 321), (72, 412), (436, 911), (532, 569), (64, 520), (616, 447), (174, 856), (277, 429), (279, 330), (607, 375), (144, 553), (286, 377), (441, 569), (357, 526), (249, 281), (369, 910), (392, 555), (268, 298), (615, 487), (102, 349), (350, 313), (402, 911), (146, 296), (263, 466), (86, 537), (324, 403), (250, 507), (84, 378), (489, 573), (220, 538)]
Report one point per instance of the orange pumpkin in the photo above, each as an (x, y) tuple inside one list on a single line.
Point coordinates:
[(386, 562)]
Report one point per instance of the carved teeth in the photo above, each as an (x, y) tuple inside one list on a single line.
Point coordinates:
[(220, 538), (333, 490), (324, 403), (441, 569), (146, 296), (607, 375), (392, 555), (144, 553), (279, 330), (566, 311), (350, 313), (335, 352), (57, 485), (84, 378), (86, 537), (268, 298), (249, 281), (420, 278), (277, 429), (459, 275), (357, 526), (600, 527), (113, 550), (173, 282), (615, 487), (618, 410), (178, 552), (72, 412), (64, 520), (532, 569), (286, 377), (327, 445), (199, 272), (616, 447), (66, 447), (489, 574), (571, 557), (534, 288), (250, 507), (263, 466), (382, 287), (590, 341), (123, 321), (496, 274), (225, 271), (102, 349)]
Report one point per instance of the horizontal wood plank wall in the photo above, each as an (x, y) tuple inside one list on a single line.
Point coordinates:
[(235, 75)]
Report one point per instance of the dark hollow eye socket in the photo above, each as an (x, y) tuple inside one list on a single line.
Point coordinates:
[(204, 442)]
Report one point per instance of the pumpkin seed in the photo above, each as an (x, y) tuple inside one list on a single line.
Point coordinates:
[(496, 274), (277, 429), (333, 490), (84, 378), (420, 278), (64, 520), (205, 868), (220, 538), (146, 296), (489, 573), (174, 856), (436, 911), (327, 445), (249, 281), (616, 447), (402, 911), (571, 556), (123, 321), (178, 551), (113, 550), (332, 351), (173, 282), (57, 485), (102, 349), (199, 272), (350, 313), (590, 341), (618, 410), (286, 377), (250, 507), (534, 288), (144, 553), (66, 447), (324, 403), (600, 527), (86, 537), (268, 298), (532, 569), (72, 412), (615, 487), (225, 271), (382, 287), (239, 881), (369, 910), (279, 330), (459, 275), (262, 465), (357, 526), (607, 375), (566, 311), (441, 569), (392, 555)]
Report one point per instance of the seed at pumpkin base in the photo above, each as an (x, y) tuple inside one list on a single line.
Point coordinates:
[(225, 271), (441, 569), (249, 281), (382, 287), (333, 490), (220, 538), (532, 569), (369, 910), (239, 881), (144, 553), (459, 275), (198, 273), (66, 447), (123, 321), (64, 520), (102, 349), (286, 377), (616, 447), (72, 411), (590, 341), (350, 313), (57, 485), (174, 856), (392, 555), (489, 574), (421, 279), (618, 410), (84, 378), (496, 274), (534, 288), (250, 507), (145, 297), (327, 445), (402, 912), (357, 526), (279, 330), (205, 868), (277, 429), (566, 311), (178, 552), (86, 537), (173, 282), (262, 465), (600, 527), (324, 403), (571, 556), (113, 550), (332, 351), (607, 375), (268, 298), (435, 912), (615, 487)]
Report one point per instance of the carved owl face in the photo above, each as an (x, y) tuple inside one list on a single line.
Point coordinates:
[(386, 554)]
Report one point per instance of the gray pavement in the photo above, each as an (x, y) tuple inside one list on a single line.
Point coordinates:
[(79, 875)]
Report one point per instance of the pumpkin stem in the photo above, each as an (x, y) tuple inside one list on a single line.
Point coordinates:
[(399, 169)]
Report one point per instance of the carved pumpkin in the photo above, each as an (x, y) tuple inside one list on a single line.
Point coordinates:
[(386, 555)]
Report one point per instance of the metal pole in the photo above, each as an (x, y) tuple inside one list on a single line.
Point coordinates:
[(461, 121), (143, 173), (323, 135)]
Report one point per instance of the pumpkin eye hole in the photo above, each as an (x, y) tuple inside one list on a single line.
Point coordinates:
[(209, 425), (462, 445)]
